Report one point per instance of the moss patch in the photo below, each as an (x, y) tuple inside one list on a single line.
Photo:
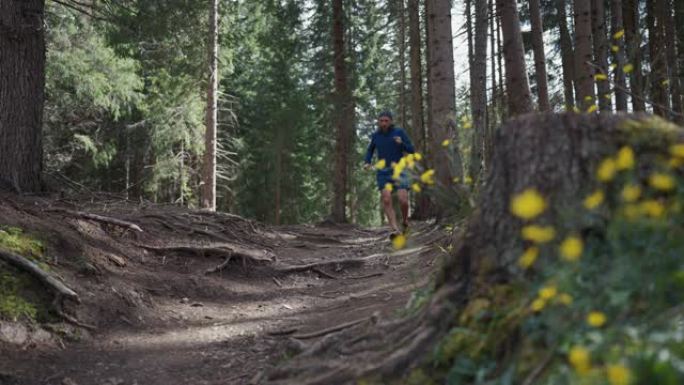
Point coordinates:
[(12, 305)]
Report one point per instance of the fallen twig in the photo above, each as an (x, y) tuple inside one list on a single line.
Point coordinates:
[(46, 279), (334, 329)]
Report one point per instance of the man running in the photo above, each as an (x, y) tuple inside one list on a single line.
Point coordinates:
[(391, 142)]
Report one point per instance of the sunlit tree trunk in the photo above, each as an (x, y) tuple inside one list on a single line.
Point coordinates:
[(22, 93), (403, 105), (539, 56), (209, 166), (583, 56), (517, 85)]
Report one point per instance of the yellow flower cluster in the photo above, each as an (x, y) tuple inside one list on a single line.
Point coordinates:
[(538, 234), (529, 257), (580, 359), (399, 242), (528, 205), (571, 248), (594, 200), (596, 319)]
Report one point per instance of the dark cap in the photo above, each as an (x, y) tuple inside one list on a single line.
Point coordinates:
[(385, 113)]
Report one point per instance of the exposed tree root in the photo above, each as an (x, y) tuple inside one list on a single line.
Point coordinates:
[(337, 328), (60, 289), (228, 249), (100, 218)]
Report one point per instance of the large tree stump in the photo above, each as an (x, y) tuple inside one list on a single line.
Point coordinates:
[(555, 153)]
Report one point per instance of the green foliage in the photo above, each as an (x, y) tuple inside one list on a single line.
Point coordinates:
[(13, 239), (12, 305)]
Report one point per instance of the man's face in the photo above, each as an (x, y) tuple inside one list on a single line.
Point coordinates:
[(384, 123)]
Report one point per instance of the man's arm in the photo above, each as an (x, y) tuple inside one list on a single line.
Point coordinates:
[(371, 149), (406, 141)]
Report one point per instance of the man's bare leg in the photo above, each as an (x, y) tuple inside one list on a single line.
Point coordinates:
[(404, 204), (386, 197)]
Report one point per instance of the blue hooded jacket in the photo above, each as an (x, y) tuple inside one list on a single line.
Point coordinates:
[(387, 147)]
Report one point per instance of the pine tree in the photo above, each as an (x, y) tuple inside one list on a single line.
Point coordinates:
[(478, 88), (633, 40), (598, 26), (567, 55), (209, 165), (442, 94), (517, 85), (583, 54), (539, 56), (617, 28)]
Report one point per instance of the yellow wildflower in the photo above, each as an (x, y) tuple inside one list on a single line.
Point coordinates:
[(677, 150), (593, 108), (389, 186), (456, 179), (416, 187), (631, 192), (606, 170), (399, 241), (467, 179), (594, 200), (565, 299), (588, 98), (615, 48), (529, 257), (410, 161), (538, 305), (600, 77), (618, 374), (628, 68), (665, 82), (596, 319), (538, 234), (446, 142), (417, 156), (580, 359), (617, 35), (625, 158), (528, 204), (381, 164), (548, 292), (428, 177), (467, 125), (608, 96), (576, 109), (613, 66), (571, 248), (652, 208), (662, 182)]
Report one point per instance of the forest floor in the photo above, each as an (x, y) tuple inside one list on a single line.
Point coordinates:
[(162, 315)]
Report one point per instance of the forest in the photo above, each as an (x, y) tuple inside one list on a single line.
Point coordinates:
[(485, 192)]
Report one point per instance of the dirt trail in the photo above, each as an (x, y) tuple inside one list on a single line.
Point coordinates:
[(161, 320)]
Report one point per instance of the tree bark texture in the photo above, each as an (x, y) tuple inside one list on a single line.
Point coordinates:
[(209, 165), (344, 115), (672, 60), (442, 101), (583, 56), (403, 105), (517, 85), (539, 56), (22, 93), (618, 56), (657, 58), (633, 39), (599, 31), (417, 123), (478, 89), (567, 55)]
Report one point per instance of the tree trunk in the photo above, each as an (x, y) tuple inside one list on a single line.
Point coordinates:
[(633, 40), (478, 89), (567, 56), (618, 56), (417, 123), (499, 58), (344, 115), (493, 116), (22, 94), (657, 58), (209, 166), (442, 90), (539, 56), (598, 26), (673, 72), (679, 22), (517, 85), (401, 14), (583, 69)]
